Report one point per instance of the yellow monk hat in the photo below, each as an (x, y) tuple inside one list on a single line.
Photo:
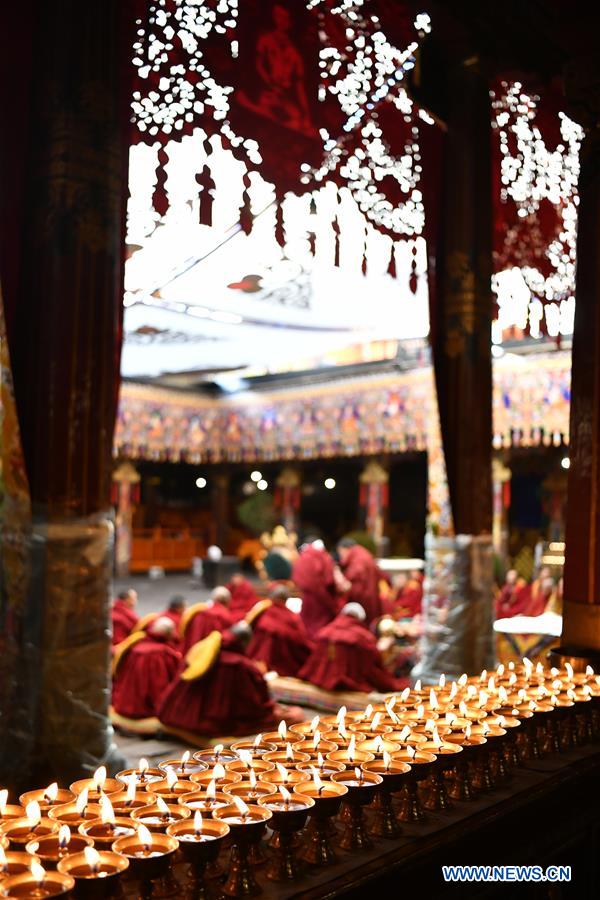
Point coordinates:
[(257, 610), (189, 615), (202, 656), (124, 647)]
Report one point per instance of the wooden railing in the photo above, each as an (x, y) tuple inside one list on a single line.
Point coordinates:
[(172, 549)]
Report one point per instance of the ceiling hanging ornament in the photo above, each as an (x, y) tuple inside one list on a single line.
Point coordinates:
[(160, 201), (246, 217)]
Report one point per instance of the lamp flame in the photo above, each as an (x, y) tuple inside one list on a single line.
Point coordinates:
[(218, 750), (463, 679), (451, 718), (341, 715), (342, 731), (375, 721), (131, 786), (387, 760), (246, 757), (38, 873), (418, 684), (569, 671), (242, 807), (436, 738), (410, 751), (211, 790), (33, 813), (429, 725), (92, 858), (468, 731), (64, 836), (143, 766), (99, 778), (82, 801), (405, 733), (51, 792), (420, 711), (378, 744), (463, 708), (171, 777), (491, 685), (316, 739), (314, 724), (2, 860), (218, 772), (285, 794), (107, 813), (352, 748), (391, 703), (252, 778), (433, 700), (405, 694), (368, 711), (144, 837), (453, 690), (289, 753), (483, 676), (512, 678), (185, 757), (442, 680), (198, 822), (283, 772), (317, 781), (359, 774), (3, 801), (321, 761), (258, 740), (589, 671), (162, 806), (500, 670), (282, 730)]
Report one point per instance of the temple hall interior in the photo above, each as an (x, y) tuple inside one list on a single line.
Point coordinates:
[(300, 449)]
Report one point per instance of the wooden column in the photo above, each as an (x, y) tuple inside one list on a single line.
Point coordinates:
[(581, 623), (64, 317)]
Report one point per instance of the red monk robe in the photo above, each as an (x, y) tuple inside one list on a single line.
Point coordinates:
[(143, 668), (346, 658), (279, 639), (202, 619), (124, 619), (511, 600), (217, 692), (313, 573), (360, 569), (409, 598), (243, 597)]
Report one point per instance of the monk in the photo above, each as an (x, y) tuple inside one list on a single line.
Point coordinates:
[(175, 610), (535, 598), (506, 602), (124, 616), (219, 692), (407, 596), (144, 665), (314, 575), (279, 639), (203, 618), (346, 657), (360, 569), (243, 596)]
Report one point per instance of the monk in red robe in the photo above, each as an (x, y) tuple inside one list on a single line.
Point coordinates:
[(144, 665), (175, 610), (314, 575), (506, 602), (346, 657), (201, 619), (407, 597), (219, 692), (243, 596), (360, 569), (536, 596), (124, 616), (279, 639)]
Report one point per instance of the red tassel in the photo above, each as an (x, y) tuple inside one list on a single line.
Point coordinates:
[(336, 250), (392, 265), (246, 217), (207, 185), (312, 242), (279, 226), (413, 280), (160, 201)]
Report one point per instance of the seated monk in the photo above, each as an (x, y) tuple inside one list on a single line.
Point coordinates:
[(361, 570), (144, 665), (175, 610), (540, 592), (219, 692), (202, 619), (243, 596), (346, 657), (314, 575), (506, 602), (407, 598), (279, 639), (124, 616)]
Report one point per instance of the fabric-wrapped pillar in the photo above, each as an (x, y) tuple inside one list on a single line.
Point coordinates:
[(288, 495), (374, 500), (64, 277), (126, 493), (458, 614), (581, 609)]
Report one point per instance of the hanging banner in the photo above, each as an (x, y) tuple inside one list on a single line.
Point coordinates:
[(275, 98)]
